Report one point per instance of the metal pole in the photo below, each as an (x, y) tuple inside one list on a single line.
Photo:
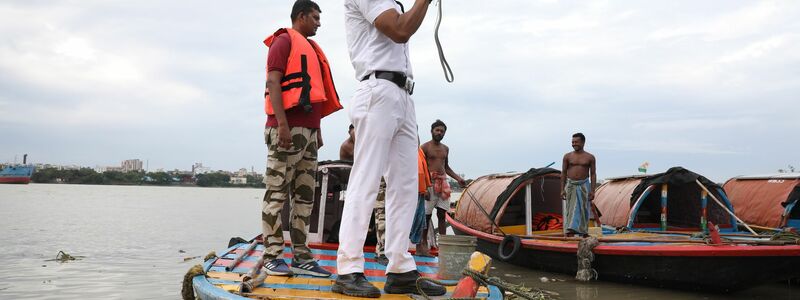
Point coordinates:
[(323, 198), (704, 211), (664, 188), (725, 208), (528, 210)]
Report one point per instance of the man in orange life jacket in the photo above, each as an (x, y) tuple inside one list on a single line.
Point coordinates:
[(300, 92)]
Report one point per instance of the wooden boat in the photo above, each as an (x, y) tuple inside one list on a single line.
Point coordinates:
[(498, 209), (221, 277), (766, 200)]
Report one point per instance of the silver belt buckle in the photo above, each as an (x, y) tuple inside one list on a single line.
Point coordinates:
[(409, 86)]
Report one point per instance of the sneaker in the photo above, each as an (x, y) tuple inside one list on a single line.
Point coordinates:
[(355, 285), (406, 283), (277, 267), (382, 259), (310, 268)]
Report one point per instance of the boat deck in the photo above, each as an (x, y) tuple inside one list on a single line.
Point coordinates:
[(303, 286)]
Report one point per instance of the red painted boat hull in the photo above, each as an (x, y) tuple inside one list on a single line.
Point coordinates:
[(15, 180), (703, 267)]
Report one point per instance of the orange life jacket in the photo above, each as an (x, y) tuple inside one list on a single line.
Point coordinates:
[(307, 78), (424, 175)]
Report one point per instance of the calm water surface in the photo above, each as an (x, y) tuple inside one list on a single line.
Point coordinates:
[(131, 238)]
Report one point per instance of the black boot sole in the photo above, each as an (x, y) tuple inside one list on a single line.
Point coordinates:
[(338, 289)]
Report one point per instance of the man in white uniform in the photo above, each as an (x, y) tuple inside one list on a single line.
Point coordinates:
[(385, 123)]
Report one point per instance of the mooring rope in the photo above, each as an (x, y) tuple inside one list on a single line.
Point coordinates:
[(585, 258), (187, 291), (518, 290)]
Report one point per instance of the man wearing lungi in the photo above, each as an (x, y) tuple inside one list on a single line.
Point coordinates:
[(578, 181)]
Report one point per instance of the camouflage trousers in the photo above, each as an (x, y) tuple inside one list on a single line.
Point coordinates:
[(380, 219), (291, 175)]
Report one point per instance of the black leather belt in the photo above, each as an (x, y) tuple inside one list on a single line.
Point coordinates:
[(397, 78)]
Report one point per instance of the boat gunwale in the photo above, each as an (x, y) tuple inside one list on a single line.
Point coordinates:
[(675, 250)]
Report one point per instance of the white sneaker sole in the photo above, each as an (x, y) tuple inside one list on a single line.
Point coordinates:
[(273, 273), (299, 271)]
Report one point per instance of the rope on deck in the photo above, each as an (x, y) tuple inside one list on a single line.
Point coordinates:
[(519, 291), (786, 235), (585, 258)]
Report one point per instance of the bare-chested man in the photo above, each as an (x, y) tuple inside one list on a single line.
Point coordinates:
[(347, 150), (436, 155), (578, 181)]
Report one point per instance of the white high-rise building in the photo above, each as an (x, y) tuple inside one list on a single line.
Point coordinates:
[(132, 165)]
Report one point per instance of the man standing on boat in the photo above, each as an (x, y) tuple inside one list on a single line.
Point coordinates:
[(578, 181), (437, 155), (385, 123), (347, 149), (300, 92)]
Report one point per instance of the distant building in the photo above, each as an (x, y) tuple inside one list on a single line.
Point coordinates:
[(238, 180), (132, 165)]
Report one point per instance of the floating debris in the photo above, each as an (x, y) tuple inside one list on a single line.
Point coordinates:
[(181, 251), (512, 275), (185, 259), (64, 257), (546, 280)]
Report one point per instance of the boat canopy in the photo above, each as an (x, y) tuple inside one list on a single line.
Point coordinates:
[(766, 200), (670, 201), (500, 199)]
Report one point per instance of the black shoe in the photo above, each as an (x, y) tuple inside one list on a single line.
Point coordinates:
[(382, 259), (406, 283), (356, 285)]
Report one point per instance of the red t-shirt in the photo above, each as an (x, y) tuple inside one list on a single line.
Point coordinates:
[(276, 61)]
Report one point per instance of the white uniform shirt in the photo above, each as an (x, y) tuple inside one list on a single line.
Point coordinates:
[(370, 50)]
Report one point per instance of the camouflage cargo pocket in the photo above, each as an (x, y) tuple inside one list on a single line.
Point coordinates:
[(277, 161), (276, 170)]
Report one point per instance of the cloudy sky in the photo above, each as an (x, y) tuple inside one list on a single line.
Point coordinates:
[(713, 86)]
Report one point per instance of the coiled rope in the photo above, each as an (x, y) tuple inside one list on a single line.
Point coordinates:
[(448, 73)]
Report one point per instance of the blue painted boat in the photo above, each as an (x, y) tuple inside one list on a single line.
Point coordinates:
[(222, 276)]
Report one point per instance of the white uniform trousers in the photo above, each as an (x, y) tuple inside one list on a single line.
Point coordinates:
[(386, 145)]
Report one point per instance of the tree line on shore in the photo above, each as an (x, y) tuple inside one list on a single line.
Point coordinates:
[(90, 176)]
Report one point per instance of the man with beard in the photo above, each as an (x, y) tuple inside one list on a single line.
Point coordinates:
[(299, 94), (578, 181), (436, 155)]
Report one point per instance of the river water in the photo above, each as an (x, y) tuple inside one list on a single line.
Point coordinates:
[(134, 239)]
